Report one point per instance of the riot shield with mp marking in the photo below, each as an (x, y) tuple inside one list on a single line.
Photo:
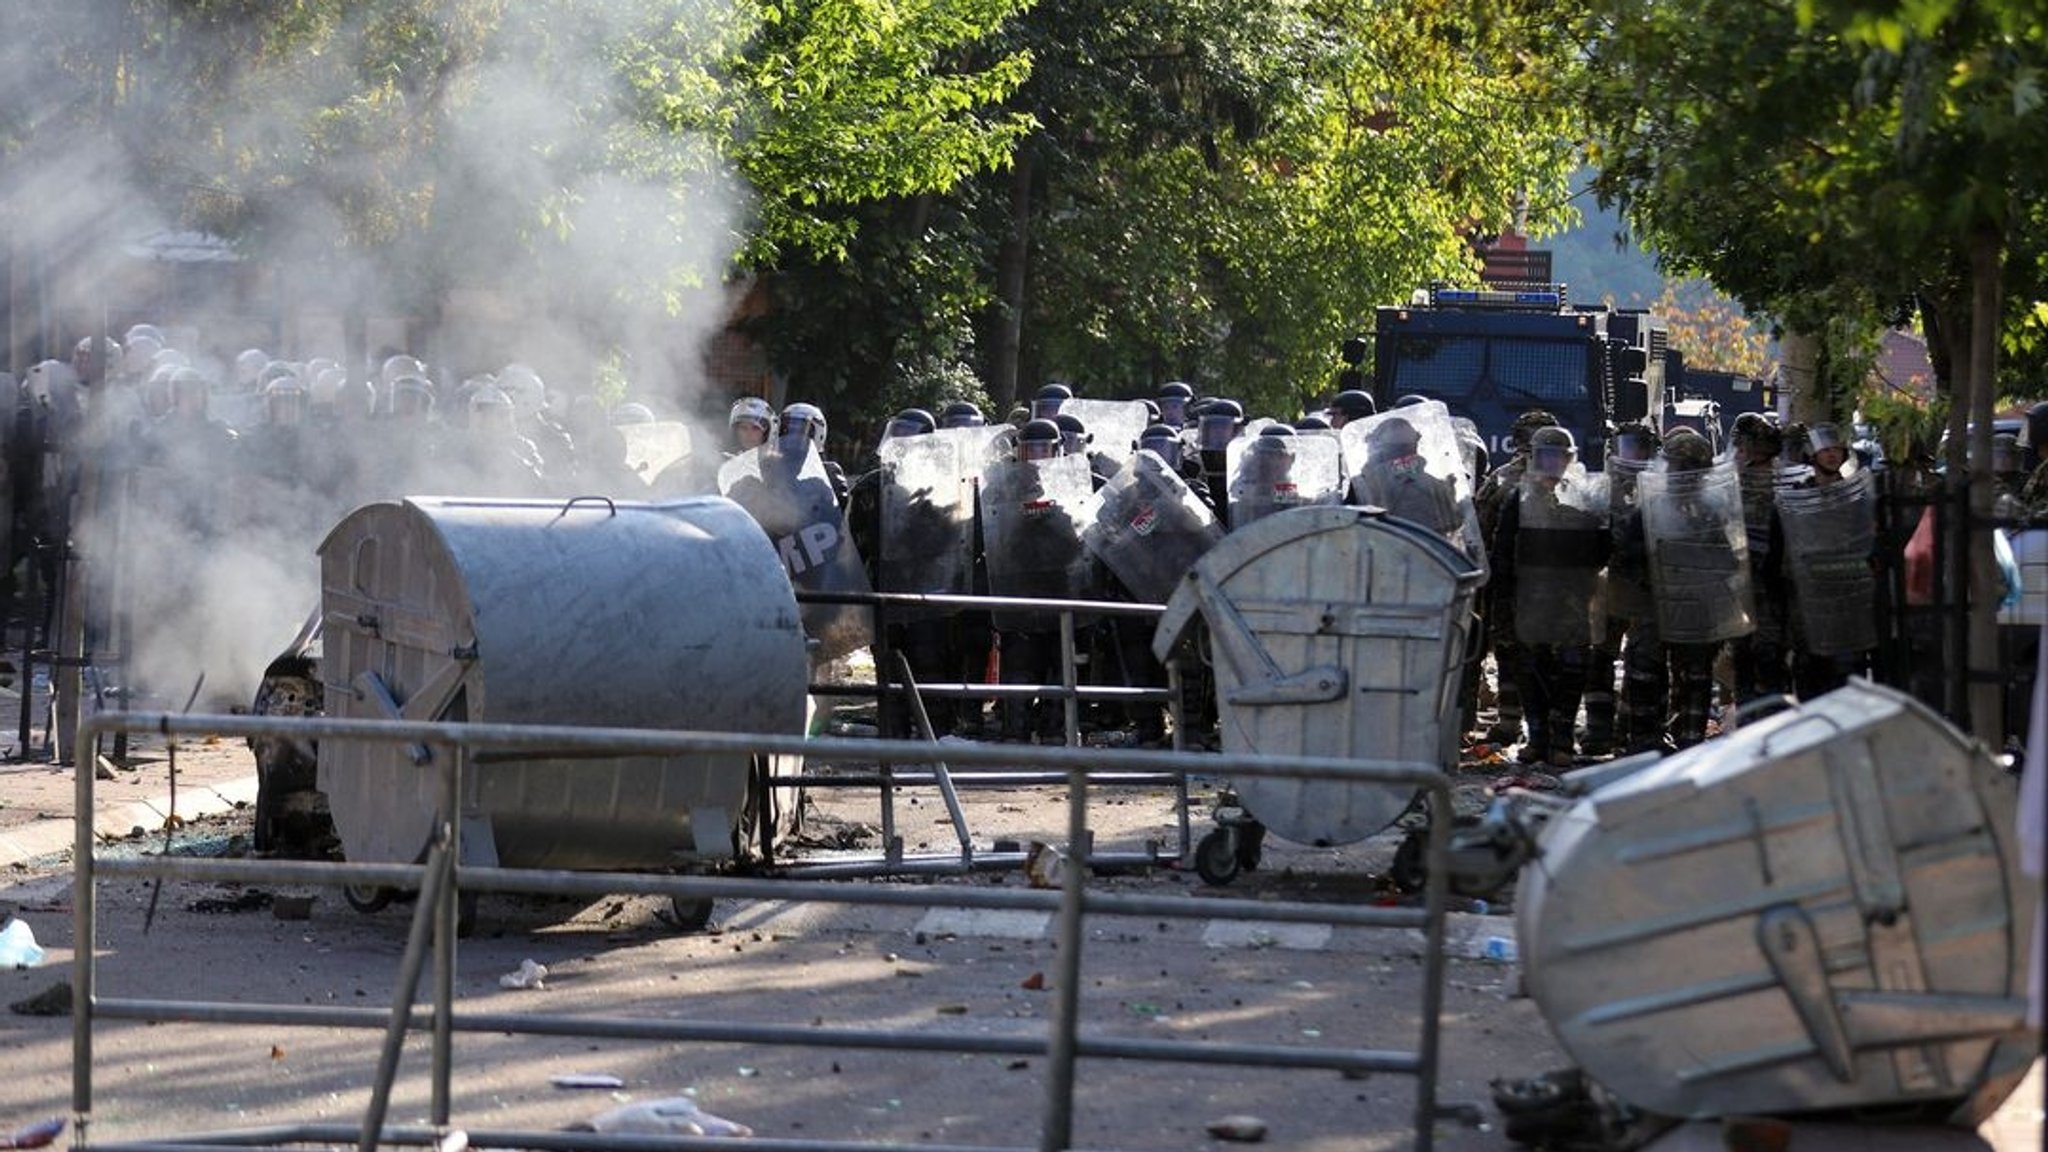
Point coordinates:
[(1829, 532), (1150, 528), (791, 498), (1408, 462), (1032, 512), (927, 514), (1698, 552), (1559, 549), (1271, 474)]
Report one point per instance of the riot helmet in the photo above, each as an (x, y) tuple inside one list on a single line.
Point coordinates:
[(523, 386), (400, 365), (2005, 455), (1551, 451), (1685, 450), (1217, 426), (249, 365), (1038, 440), (1312, 423), (801, 426), (491, 410), (1756, 437), (1410, 400), (156, 391), (1522, 432), (962, 414), (84, 367), (50, 383), (1162, 441), (1074, 435), (750, 421), (632, 412), (190, 390), (145, 332), (284, 401), (1393, 439), (410, 398), (1635, 443), (909, 422), (1793, 449), (138, 355), (1827, 450), (1351, 404), (1174, 398), (1045, 403), (2034, 434), (1269, 458), (324, 393)]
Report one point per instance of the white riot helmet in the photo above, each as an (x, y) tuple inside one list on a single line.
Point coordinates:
[(632, 413), (802, 424), (144, 332), (156, 390), (400, 365), (249, 365), (491, 410), (325, 389), (138, 354), (409, 398), (523, 386)]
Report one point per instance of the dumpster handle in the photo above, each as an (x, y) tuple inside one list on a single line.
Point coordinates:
[(572, 501)]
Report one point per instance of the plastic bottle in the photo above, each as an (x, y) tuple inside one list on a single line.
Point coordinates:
[(1501, 948), (18, 947)]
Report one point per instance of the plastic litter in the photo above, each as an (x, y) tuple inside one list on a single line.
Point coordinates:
[(18, 947), (35, 1135), (674, 1116), (586, 1080), (530, 975)]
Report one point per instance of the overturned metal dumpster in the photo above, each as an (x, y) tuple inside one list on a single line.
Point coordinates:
[(590, 613), (1334, 631), (1823, 910)]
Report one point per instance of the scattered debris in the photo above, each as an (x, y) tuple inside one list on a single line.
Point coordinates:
[(251, 900), (1042, 864), (675, 1116), (35, 1135), (530, 975), (586, 1080), (52, 1001), (1239, 1129), (292, 907), (18, 947)]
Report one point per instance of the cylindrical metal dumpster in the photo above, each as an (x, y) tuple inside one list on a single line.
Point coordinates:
[(593, 614), (1822, 910), (1336, 631)]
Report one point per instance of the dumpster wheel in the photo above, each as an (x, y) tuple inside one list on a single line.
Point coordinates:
[(367, 898), (692, 913), (1216, 857)]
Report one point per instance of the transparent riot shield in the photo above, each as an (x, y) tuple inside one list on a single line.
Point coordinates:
[(652, 447), (1698, 553), (1562, 535), (791, 498), (1031, 517), (927, 514), (1113, 426), (1829, 532), (1627, 585), (1150, 528), (1271, 474), (1409, 461)]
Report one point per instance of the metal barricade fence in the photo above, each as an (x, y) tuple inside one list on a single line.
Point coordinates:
[(893, 678), (432, 935)]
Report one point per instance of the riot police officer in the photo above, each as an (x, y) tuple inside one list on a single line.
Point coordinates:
[(1498, 608)]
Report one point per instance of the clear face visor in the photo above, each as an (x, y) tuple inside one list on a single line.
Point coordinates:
[(411, 401), (899, 428), (962, 420), (1038, 449), (795, 439), (1167, 448), (1634, 447), (1074, 443), (1821, 438), (1045, 409), (1550, 460), (2005, 458), (491, 418), (1216, 432), (1173, 410), (189, 399), (285, 406)]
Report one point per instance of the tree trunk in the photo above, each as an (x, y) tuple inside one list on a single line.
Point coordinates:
[(1798, 365), (1011, 263), (1986, 585)]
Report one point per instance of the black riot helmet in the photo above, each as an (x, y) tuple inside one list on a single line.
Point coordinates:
[(1162, 441), (1351, 404), (1038, 440), (1174, 398), (1312, 423), (2034, 435), (1551, 451), (1045, 403), (962, 414), (910, 422), (1217, 426), (1074, 437)]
